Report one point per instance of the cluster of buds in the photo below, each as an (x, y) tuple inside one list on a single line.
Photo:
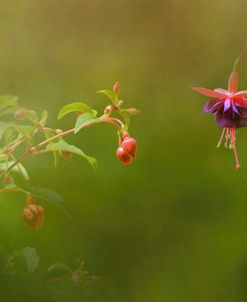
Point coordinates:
[(33, 214), (126, 151)]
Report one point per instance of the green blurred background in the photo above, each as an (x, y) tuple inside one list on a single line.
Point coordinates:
[(172, 227)]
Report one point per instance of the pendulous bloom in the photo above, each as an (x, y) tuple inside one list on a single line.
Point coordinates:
[(126, 151), (229, 108)]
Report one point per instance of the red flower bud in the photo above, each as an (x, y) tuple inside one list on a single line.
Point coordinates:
[(125, 158), (129, 145), (34, 216), (116, 88)]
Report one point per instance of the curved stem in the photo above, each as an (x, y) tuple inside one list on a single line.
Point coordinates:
[(33, 150)]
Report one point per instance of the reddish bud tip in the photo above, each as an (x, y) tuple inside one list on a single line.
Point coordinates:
[(125, 158), (30, 199), (125, 134), (116, 88)]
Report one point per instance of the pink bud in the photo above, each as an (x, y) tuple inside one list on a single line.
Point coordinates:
[(125, 158), (116, 88), (130, 146)]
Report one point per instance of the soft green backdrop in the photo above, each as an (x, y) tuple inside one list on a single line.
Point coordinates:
[(172, 227)]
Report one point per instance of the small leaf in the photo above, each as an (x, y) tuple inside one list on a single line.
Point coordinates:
[(9, 110), (56, 156), (58, 269), (110, 95), (74, 107), (7, 101), (19, 168), (45, 194), (32, 258), (33, 117), (64, 146), (3, 127), (44, 116), (84, 120), (26, 259)]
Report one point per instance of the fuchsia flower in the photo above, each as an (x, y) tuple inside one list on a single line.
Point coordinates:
[(229, 108)]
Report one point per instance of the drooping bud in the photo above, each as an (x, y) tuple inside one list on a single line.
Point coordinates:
[(116, 88), (125, 158), (34, 216), (21, 113), (129, 145), (66, 155)]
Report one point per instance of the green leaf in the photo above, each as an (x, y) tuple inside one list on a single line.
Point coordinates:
[(33, 117), (56, 156), (32, 258), (45, 194), (58, 269), (111, 95), (84, 120), (3, 127), (19, 168), (43, 120), (7, 101), (64, 146), (74, 107), (9, 110)]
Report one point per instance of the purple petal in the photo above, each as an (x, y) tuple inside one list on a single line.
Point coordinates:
[(230, 118), (227, 104), (213, 106), (235, 109), (242, 112), (225, 119)]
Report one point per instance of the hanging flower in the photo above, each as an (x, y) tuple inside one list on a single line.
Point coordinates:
[(229, 108)]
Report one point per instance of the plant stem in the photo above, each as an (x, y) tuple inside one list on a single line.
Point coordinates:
[(33, 150)]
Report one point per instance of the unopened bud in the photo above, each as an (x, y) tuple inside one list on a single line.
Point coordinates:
[(30, 199), (125, 158), (116, 88), (132, 111)]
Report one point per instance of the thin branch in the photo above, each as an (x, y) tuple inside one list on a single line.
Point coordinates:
[(33, 150)]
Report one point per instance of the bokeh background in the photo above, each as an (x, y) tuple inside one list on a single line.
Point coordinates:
[(172, 227)]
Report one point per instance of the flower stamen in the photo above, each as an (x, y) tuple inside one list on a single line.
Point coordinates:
[(227, 137), (233, 142), (221, 137)]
